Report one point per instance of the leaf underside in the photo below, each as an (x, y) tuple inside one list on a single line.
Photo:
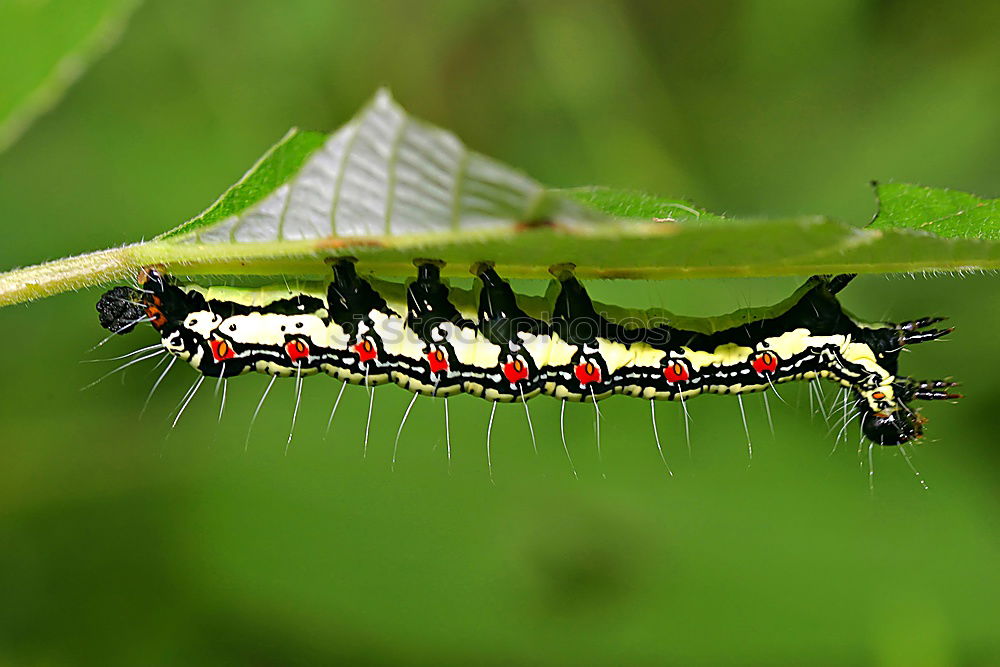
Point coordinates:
[(387, 188)]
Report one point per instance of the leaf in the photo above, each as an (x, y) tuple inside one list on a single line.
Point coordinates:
[(384, 174), (947, 213), (637, 205), (387, 188), (279, 164), (44, 48)]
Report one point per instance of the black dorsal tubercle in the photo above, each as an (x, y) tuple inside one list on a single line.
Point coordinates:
[(351, 298), (427, 302), (817, 310), (500, 318)]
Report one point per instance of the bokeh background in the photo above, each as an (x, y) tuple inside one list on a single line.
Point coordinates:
[(123, 542)]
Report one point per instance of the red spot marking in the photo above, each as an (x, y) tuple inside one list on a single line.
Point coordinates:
[(515, 371), (676, 372), (878, 395), (765, 362), (296, 350), (587, 373), (366, 350), (438, 361), (221, 350)]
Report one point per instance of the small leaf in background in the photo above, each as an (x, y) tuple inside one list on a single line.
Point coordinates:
[(944, 212), (638, 205), (383, 174), (280, 163), (45, 45)]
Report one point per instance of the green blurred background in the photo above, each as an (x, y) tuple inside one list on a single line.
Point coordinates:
[(122, 542)]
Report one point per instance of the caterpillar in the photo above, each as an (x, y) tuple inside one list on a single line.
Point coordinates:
[(507, 348)]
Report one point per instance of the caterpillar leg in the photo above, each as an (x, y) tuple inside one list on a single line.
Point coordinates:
[(521, 339), (838, 282), (583, 331)]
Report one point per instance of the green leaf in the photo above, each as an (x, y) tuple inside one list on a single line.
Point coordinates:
[(387, 188), (384, 174), (45, 47), (947, 213), (274, 169), (637, 205)]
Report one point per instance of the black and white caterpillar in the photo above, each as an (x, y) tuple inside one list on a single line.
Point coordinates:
[(509, 348)]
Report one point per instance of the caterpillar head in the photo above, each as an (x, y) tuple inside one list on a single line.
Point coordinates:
[(886, 417), (895, 424)]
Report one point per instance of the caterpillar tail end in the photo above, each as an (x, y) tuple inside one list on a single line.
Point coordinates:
[(120, 309)]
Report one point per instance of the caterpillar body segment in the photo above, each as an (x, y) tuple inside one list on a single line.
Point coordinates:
[(573, 350)]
